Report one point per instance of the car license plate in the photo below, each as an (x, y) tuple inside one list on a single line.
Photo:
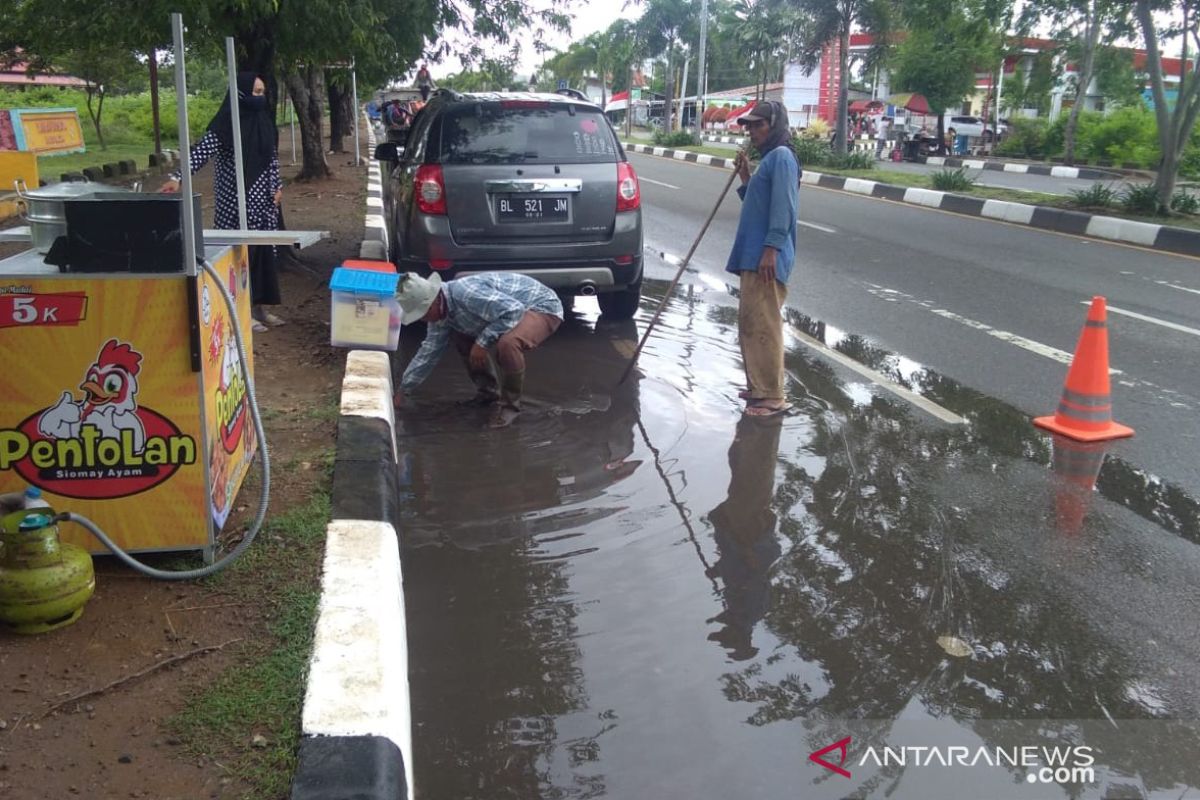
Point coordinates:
[(522, 208)]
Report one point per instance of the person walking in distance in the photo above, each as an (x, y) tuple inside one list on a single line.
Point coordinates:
[(764, 249), (424, 82), (881, 137), (500, 314), (264, 186)]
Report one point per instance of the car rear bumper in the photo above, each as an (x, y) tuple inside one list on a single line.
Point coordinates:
[(573, 277)]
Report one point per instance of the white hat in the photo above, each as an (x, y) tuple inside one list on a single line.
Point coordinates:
[(416, 294)]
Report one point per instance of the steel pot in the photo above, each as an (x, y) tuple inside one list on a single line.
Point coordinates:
[(44, 208)]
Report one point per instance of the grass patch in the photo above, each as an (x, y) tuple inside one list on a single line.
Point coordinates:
[(326, 413), (280, 570), (273, 686)]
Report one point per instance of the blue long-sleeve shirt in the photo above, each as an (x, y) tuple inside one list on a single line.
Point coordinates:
[(770, 204), (485, 306)]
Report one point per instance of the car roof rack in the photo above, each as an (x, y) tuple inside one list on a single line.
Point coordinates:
[(450, 93), (575, 93)]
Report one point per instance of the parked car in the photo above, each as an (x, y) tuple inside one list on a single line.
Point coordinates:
[(515, 181), (969, 126)]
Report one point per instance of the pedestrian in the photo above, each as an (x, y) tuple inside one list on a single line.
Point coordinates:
[(881, 136), (424, 82), (264, 186), (952, 141), (488, 316), (764, 249)]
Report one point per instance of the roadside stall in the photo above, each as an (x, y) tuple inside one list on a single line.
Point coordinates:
[(125, 396)]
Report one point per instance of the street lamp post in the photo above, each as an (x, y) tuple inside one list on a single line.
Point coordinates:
[(702, 66)]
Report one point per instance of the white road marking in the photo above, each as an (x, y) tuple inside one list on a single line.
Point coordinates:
[(644, 179), (928, 406), (1040, 349), (815, 226), (1154, 320), (1170, 285)]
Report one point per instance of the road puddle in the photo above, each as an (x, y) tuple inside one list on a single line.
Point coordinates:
[(634, 592)]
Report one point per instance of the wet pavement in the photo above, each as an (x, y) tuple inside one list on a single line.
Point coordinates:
[(636, 593)]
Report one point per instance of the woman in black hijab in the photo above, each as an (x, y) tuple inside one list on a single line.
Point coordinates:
[(264, 187)]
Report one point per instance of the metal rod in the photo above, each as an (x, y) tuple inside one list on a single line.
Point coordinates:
[(354, 104), (679, 274), (235, 117), (187, 214)]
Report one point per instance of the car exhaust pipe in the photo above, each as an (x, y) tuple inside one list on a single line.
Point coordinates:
[(587, 289)]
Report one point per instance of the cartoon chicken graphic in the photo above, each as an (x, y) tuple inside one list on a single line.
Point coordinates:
[(109, 404)]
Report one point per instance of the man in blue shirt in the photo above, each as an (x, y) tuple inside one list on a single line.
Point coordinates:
[(764, 250), (500, 314)]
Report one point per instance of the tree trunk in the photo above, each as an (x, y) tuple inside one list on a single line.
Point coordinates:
[(1164, 184), (154, 99), (1091, 38), (340, 121), (306, 90), (843, 101), (95, 113)]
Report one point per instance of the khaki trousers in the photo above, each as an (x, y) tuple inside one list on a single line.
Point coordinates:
[(533, 329), (760, 335)]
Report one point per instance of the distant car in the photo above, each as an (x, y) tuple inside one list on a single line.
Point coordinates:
[(969, 126), (521, 182)]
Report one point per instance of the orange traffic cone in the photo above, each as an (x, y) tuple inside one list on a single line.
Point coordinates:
[(1076, 467), (1085, 410)]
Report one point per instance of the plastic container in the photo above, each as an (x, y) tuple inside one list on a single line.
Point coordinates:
[(369, 265), (33, 498), (364, 313)]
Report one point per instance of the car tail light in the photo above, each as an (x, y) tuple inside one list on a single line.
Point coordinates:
[(440, 263), (624, 261), (629, 194), (524, 104), (431, 189)]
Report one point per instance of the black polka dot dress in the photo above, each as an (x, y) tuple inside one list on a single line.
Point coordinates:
[(261, 212)]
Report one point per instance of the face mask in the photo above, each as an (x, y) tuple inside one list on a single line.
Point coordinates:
[(255, 102)]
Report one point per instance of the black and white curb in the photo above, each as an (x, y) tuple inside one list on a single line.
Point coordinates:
[(1023, 169), (356, 726), (738, 140), (1147, 234), (374, 244)]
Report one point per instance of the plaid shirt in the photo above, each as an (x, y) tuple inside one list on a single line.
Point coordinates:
[(486, 306)]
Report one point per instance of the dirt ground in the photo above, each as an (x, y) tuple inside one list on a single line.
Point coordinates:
[(117, 744)]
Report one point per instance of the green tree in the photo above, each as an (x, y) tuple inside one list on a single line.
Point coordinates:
[(1116, 79), (1174, 125), (1082, 27), (946, 43), (831, 21), (664, 26)]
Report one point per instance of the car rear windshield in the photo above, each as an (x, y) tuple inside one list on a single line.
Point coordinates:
[(521, 132)]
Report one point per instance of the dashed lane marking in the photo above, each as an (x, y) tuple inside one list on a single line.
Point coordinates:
[(1153, 320)]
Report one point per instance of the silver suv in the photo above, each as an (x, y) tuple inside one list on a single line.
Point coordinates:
[(520, 182)]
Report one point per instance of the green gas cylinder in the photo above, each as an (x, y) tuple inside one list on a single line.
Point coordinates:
[(44, 583)]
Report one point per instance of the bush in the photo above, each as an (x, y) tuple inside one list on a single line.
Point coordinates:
[(676, 139), (1142, 199), (852, 160), (1127, 135), (817, 129), (811, 152), (1026, 138), (1096, 196), (1185, 203), (952, 180)]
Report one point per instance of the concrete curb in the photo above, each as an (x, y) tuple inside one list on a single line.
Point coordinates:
[(1182, 241), (356, 726)]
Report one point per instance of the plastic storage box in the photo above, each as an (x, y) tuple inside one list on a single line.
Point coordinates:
[(364, 313)]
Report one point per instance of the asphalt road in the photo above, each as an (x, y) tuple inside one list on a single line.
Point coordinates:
[(994, 306)]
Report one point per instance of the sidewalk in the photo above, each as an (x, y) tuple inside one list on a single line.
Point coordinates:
[(1182, 241)]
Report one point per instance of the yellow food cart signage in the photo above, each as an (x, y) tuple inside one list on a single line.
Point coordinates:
[(46, 130)]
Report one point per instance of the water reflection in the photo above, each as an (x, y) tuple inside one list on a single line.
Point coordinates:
[(744, 533)]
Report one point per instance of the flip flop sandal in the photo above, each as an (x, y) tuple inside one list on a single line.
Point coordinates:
[(258, 327), (273, 320), (766, 412)]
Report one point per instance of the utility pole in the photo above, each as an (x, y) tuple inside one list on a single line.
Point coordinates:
[(702, 66)]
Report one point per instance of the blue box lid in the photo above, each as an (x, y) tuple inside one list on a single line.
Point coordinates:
[(361, 281)]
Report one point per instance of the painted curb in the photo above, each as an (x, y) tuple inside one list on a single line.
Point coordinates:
[(356, 724), (1181, 241)]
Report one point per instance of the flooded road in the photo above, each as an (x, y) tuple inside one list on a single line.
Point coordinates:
[(636, 593)]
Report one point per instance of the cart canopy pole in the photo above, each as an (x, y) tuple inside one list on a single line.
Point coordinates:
[(235, 116), (185, 149)]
